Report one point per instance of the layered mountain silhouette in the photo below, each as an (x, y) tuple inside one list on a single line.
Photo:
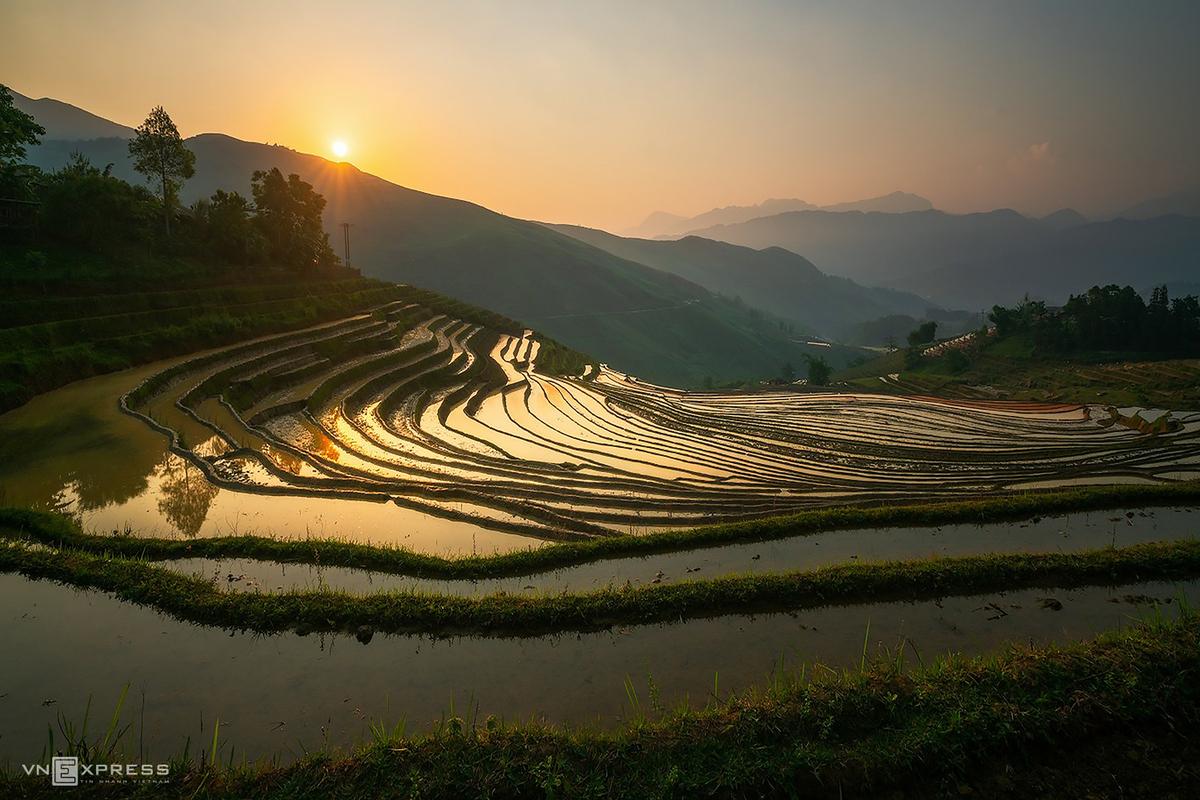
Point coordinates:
[(774, 279), (1185, 203), (660, 224), (975, 261), (894, 203), (642, 320), (65, 121), (646, 307), (1063, 218)]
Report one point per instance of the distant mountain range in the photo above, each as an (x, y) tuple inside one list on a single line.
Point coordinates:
[(894, 203), (660, 224), (967, 261), (1185, 203), (642, 320), (774, 279), (65, 121), (647, 306), (975, 261), (1063, 218)]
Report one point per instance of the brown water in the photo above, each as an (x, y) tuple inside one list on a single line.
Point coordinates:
[(1067, 533), (74, 451), (275, 694)]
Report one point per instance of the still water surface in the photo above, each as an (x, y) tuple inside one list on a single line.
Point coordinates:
[(1066, 533), (282, 693), (74, 451)]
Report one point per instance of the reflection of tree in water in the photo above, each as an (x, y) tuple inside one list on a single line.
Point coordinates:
[(79, 453), (101, 488), (185, 495)]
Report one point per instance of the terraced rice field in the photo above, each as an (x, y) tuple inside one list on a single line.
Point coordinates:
[(436, 413), (1166, 384)]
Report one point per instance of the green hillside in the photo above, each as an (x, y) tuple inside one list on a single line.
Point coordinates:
[(1106, 346), (775, 280), (71, 314), (630, 315)]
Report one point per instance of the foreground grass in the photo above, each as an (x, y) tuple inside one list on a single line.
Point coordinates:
[(993, 726), (58, 531), (1110, 718)]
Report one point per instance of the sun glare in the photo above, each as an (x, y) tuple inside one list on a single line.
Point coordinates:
[(340, 149)]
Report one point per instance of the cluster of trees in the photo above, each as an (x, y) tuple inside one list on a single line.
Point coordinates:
[(819, 371), (87, 206), (924, 333), (1108, 318), (17, 129), (918, 339)]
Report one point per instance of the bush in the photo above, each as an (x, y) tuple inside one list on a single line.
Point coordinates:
[(99, 213), (957, 361)]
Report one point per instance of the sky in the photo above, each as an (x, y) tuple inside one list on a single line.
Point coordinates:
[(599, 113)]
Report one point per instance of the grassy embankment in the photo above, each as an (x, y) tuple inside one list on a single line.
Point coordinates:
[(195, 599), (60, 532), (124, 565), (1115, 717), (1009, 369)]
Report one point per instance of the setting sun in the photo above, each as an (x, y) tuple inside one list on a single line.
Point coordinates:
[(340, 149)]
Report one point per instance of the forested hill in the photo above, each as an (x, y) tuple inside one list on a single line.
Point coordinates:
[(641, 320), (773, 279)]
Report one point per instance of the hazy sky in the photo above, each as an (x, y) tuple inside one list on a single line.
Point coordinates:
[(600, 112)]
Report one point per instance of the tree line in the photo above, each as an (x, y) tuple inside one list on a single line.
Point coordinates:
[(1108, 318), (84, 205)]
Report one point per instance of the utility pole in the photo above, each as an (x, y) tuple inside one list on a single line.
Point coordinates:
[(346, 226)]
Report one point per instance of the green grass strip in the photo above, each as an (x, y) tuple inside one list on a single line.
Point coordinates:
[(57, 531), (194, 599), (930, 732)]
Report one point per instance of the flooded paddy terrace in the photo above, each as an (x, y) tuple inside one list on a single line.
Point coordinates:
[(443, 437)]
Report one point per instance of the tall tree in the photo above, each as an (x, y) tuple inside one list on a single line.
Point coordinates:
[(159, 153), (288, 212), (17, 129), (819, 370)]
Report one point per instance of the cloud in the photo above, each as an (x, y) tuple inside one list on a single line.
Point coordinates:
[(1034, 156)]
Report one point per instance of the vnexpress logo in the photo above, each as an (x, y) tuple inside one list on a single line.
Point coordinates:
[(68, 771), (64, 771)]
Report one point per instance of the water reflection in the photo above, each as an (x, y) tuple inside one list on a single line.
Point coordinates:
[(284, 460), (184, 496), (53, 451), (73, 451), (1069, 533), (287, 692)]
